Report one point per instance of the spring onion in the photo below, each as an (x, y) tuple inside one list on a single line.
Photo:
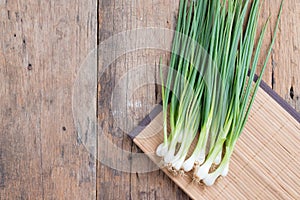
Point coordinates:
[(212, 68)]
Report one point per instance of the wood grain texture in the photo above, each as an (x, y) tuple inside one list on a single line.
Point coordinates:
[(115, 17), (263, 165), (42, 44), (283, 70), (118, 16)]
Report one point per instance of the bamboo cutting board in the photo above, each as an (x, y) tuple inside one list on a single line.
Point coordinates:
[(265, 163)]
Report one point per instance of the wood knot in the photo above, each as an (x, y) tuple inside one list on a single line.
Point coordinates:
[(29, 67)]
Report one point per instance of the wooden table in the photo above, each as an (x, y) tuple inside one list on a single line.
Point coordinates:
[(43, 44)]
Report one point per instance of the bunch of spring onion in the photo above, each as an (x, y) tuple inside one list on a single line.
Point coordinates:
[(209, 89)]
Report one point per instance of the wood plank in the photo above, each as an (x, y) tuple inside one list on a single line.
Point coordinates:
[(42, 46), (283, 71), (265, 162), (115, 17)]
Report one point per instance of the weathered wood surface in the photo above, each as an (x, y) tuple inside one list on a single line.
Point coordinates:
[(42, 44), (115, 17), (282, 74), (283, 71)]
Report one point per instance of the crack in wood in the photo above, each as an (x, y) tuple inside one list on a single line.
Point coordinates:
[(273, 82), (292, 92)]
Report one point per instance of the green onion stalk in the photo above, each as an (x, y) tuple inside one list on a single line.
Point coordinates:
[(213, 63)]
